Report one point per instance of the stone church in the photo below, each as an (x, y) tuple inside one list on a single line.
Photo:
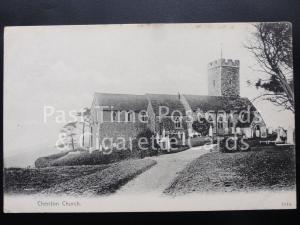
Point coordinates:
[(125, 116)]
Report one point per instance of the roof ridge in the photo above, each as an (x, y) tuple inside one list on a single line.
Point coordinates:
[(215, 96), (103, 93), (161, 94)]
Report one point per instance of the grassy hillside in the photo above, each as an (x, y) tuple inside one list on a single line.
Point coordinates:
[(272, 169), (103, 181), (29, 181), (78, 158), (96, 179)]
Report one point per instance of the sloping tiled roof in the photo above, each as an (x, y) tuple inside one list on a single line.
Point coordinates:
[(137, 103), (206, 103), (171, 101), (122, 101)]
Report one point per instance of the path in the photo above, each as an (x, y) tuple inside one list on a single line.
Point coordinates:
[(160, 176)]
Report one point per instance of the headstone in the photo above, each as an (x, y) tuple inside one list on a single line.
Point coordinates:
[(157, 137), (97, 144), (168, 146), (270, 130), (257, 133), (278, 139), (233, 130), (210, 132), (183, 138), (190, 131), (164, 133), (248, 132), (263, 132), (290, 136)]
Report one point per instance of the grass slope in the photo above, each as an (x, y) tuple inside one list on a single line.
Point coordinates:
[(30, 181), (105, 181), (272, 169)]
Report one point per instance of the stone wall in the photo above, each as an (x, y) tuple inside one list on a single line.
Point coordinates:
[(230, 81), (214, 81), (115, 130)]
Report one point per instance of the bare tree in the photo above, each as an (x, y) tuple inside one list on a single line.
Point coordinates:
[(272, 47), (69, 131)]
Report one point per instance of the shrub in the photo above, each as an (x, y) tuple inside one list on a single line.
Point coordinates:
[(151, 148), (201, 126), (46, 161), (98, 157), (199, 141), (94, 158)]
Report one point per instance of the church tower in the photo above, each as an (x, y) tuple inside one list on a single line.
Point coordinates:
[(224, 78)]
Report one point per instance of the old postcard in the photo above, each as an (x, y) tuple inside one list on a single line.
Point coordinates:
[(149, 117)]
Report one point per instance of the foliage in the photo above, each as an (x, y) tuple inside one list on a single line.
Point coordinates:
[(272, 47), (94, 158), (200, 141), (201, 126), (103, 181), (151, 145), (29, 181), (69, 131), (98, 179), (272, 169), (46, 161)]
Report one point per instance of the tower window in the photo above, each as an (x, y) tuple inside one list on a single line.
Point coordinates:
[(214, 82), (230, 81)]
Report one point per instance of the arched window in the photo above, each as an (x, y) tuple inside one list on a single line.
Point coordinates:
[(230, 122), (144, 116), (114, 116), (211, 121), (257, 131), (129, 116), (177, 123), (220, 122)]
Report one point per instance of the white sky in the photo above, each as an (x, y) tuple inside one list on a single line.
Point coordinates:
[(62, 66)]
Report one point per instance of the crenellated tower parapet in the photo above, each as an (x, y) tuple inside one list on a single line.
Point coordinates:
[(224, 77)]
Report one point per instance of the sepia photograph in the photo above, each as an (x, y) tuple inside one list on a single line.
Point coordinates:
[(149, 117)]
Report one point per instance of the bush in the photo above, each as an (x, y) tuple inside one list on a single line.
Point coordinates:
[(150, 136), (201, 126), (98, 157), (94, 158), (199, 141), (46, 161), (177, 148)]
